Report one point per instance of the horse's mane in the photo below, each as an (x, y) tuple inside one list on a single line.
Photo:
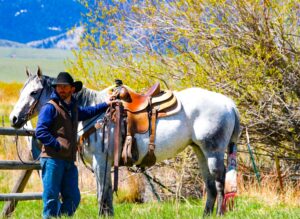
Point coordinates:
[(85, 97)]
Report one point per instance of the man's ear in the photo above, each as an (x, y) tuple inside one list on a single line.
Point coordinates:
[(73, 89)]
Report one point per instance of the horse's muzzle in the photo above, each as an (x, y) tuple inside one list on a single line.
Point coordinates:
[(16, 122)]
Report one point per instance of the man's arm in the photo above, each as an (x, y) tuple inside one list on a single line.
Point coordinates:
[(88, 112), (45, 119)]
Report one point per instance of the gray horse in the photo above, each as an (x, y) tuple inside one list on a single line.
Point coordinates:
[(208, 122)]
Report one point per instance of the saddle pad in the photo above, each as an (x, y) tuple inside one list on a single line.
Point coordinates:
[(164, 105), (162, 97), (170, 110)]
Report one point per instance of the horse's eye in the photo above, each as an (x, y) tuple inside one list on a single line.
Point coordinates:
[(33, 93)]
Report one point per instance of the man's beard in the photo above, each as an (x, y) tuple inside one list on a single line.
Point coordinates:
[(63, 95)]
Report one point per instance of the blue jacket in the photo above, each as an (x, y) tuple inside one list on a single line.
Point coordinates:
[(48, 113)]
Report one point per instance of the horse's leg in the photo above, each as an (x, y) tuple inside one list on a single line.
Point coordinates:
[(208, 179), (217, 169), (102, 168)]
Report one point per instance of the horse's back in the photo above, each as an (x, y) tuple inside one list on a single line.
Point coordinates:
[(211, 115), (200, 97)]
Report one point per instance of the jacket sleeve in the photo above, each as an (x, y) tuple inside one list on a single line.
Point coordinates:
[(45, 120), (88, 112)]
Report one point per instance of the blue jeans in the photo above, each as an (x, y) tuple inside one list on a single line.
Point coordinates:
[(59, 176)]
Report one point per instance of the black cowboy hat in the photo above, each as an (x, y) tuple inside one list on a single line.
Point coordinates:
[(66, 78)]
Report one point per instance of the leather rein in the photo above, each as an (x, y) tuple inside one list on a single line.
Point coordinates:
[(28, 115), (112, 115)]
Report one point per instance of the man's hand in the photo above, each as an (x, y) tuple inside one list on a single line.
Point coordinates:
[(113, 102)]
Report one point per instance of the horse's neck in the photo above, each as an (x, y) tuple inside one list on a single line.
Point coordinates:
[(89, 97), (86, 97)]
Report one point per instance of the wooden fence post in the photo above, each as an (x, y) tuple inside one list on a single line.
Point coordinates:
[(279, 173), (3, 121), (18, 188)]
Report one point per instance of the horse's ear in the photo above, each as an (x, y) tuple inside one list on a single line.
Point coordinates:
[(39, 72), (27, 72)]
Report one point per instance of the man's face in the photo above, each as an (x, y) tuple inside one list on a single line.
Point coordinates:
[(65, 91)]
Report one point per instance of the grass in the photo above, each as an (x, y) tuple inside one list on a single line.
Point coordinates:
[(13, 62), (246, 208)]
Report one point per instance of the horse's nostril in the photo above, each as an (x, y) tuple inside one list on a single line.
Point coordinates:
[(15, 120)]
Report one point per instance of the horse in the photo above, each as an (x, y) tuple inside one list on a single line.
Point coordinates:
[(209, 122)]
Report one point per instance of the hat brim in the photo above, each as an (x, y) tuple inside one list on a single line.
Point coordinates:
[(77, 84)]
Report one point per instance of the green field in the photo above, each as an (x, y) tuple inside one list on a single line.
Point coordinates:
[(13, 62), (246, 208)]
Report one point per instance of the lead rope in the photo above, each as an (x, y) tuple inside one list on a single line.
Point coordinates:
[(19, 156)]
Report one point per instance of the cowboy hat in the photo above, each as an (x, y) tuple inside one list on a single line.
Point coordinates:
[(66, 78)]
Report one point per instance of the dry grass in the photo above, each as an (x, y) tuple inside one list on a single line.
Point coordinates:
[(268, 191), (9, 92)]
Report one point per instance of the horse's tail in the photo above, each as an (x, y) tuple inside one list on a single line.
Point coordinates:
[(236, 130), (231, 174)]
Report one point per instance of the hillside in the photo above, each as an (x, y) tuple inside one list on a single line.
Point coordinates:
[(8, 43)]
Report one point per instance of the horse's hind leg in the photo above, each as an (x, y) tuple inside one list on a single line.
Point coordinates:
[(208, 179), (216, 168)]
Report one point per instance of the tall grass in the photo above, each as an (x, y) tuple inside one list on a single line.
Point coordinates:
[(9, 93)]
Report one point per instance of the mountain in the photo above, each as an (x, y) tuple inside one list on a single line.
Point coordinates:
[(32, 20), (8, 43), (68, 40)]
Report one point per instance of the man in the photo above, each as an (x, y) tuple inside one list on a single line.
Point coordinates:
[(57, 130)]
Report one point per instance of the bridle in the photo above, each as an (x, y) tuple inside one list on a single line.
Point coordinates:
[(35, 103), (28, 115)]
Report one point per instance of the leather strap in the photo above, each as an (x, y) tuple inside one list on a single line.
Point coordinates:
[(153, 130), (117, 137), (85, 135), (82, 138), (150, 159)]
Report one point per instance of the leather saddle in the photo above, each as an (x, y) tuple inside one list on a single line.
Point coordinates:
[(141, 112)]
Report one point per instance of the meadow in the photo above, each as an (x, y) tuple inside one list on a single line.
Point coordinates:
[(13, 62), (253, 201)]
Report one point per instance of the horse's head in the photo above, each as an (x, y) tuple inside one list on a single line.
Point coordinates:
[(34, 94)]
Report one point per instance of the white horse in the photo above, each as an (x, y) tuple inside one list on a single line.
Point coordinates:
[(207, 121)]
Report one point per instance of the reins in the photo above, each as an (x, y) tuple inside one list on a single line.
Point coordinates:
[(107, 121), (100, 124), (28, 116)]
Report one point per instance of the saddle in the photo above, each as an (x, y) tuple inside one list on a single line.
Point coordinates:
[(141, 112)]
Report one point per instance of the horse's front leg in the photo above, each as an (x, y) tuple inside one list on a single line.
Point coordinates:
[(102, 166)]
